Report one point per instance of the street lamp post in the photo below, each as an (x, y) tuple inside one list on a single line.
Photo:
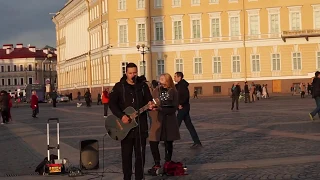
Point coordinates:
[(26, 70), (49, 56), (143, 49)]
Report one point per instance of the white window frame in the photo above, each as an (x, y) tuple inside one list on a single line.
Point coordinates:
[(213, 1), (143, 2), (104, 6), (292, 60), (274, 11), (176, 3), (122, 5), (195, 2), (176, 64), (294, 9), (274, 69), (175, 18), (158, 19), (141, 21), (194, 66), (252, 13), (257, 64), (237, 66), (195, 17), (163, 65), (218, 62), (215, 15), (232, 14), (123, 67), (316, 9), (141, 70), (318, 59), (233, 1), (158, 4), (123, 22)]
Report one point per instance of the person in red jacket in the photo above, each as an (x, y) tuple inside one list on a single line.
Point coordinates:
[(34, 104), (105, 102)]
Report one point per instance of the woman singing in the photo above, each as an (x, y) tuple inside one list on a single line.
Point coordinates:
[(164, 125)]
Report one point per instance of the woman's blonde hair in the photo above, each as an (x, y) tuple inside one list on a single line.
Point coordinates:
[(169, 80)]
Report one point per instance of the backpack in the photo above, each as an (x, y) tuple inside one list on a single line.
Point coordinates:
[(172, 168)]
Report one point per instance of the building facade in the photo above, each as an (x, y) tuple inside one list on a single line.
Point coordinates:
[(214, 42), (21, 65)]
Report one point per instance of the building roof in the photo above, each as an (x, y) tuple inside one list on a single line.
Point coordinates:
[(22, 52)]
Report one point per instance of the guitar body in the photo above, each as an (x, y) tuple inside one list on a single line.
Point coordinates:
[(116, 129)]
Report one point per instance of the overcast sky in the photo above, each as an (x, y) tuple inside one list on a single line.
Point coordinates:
[(28, 22)]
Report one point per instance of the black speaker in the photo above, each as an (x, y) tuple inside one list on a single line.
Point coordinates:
[(89, 154)]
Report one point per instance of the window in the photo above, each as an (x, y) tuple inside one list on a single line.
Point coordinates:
[(2, 68), (216, 89), (141, 32), (198, 89), (276, 64), (317, 19), (157, 3), (254, 24), (215, 27), (318, 60), (140, 4), (158, 31), (236, 64), (123, 67), (216, 65), (122, 4), (160, 67), (213, 1), (196, 30), (21, 67), (21, 81), (274, 27), (123, 34), (44, 67), (176, 3), (177, 25), (295, 20), (15, 81), (14, 67), (2, 82), (296, 61), (197, 66), (179, 65), (195, 2), (30, 80), (9, 68), (29, 67), (142, 68), (9, 82), (234, 27), (255, 59), (104, 6)]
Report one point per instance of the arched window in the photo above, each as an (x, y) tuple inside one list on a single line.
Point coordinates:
[(29, 67)]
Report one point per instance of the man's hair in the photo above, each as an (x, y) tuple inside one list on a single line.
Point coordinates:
[(316, 74), (131, 65), (179, 74)]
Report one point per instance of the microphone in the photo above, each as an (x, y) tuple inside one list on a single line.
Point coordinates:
[(134, 79)]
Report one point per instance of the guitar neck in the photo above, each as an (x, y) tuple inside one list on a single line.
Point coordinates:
[(144, 108)]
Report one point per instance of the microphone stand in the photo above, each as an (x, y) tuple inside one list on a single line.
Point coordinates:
[(135, 80)]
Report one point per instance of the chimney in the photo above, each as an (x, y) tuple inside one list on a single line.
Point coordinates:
[(9, 50), (32, 48), (19, 46), (6, 46)]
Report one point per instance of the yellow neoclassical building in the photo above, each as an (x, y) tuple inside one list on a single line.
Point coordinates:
[(214, 42)]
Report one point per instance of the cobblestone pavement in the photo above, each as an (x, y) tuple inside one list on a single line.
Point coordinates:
[(269, 139)]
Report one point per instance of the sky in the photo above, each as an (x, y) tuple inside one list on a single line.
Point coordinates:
[(28, 22)]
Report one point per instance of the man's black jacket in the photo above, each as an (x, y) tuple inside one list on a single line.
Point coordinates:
[(124, 95)]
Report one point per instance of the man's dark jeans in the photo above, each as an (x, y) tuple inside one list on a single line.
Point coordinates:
[(317, 109), (183, 115)]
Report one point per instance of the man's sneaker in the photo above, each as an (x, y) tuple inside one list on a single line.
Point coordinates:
[(311, 117), (2, 123), (105, 116), (196, 145), (154, 170)]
